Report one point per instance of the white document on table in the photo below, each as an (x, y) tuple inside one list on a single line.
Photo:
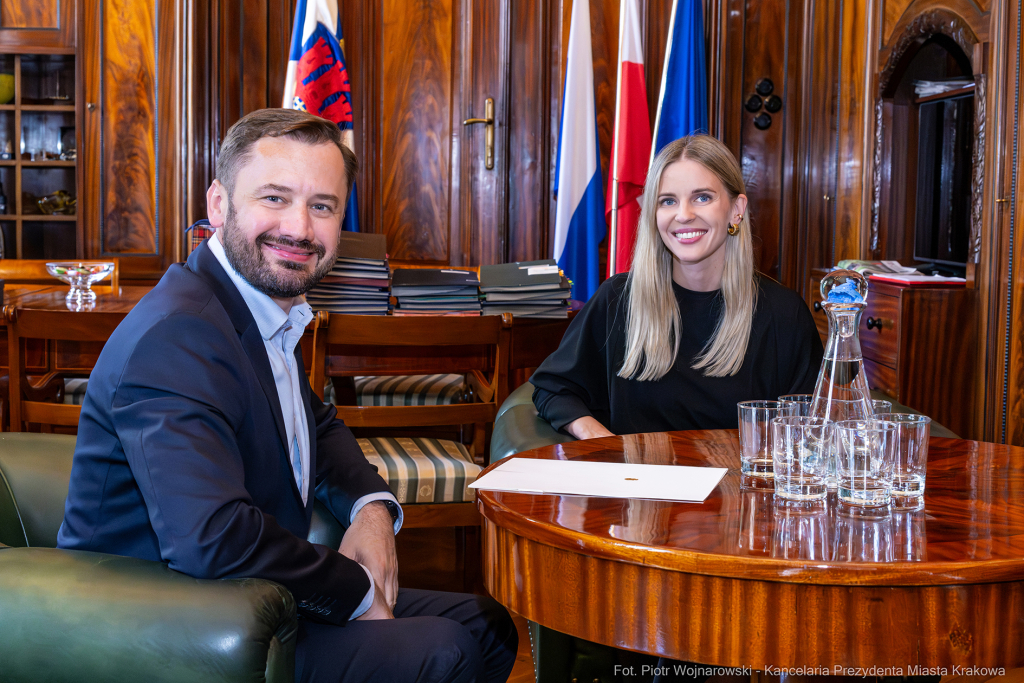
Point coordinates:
[(602, 479)]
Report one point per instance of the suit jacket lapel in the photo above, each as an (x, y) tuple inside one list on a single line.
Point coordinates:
[(204, 263)]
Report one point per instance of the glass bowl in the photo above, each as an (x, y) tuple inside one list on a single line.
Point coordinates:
[(81, 276)]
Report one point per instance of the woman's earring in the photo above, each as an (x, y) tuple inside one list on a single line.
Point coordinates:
[(734, 228)]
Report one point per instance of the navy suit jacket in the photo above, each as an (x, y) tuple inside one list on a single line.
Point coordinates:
[(181, 453)]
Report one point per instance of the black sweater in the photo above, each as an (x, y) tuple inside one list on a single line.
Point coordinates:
[(579, 379)]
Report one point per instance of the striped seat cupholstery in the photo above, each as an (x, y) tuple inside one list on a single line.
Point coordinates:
[(423, 470), (405, 390)]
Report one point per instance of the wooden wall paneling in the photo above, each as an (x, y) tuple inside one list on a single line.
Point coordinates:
[(255, 44), (1011, 426), (992, 274), (529, 179), (816, 158), (416, 127), (731, 77), (360, 22), (856, 115), (30, 14), (38, 26), (135, 111), (790, 271), (715, 22), (761, 151)]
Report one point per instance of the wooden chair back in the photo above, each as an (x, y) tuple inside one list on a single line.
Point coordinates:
[(52, 326), (351, 345), (33, 272)]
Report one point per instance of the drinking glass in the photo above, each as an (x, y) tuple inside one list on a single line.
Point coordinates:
[(880, 405), (798, 405), (911, 459), (800, 450), (755, 418), (865, 454), (802, 530)]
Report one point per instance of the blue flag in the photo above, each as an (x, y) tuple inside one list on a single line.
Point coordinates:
[(683, 100), (579, 209)]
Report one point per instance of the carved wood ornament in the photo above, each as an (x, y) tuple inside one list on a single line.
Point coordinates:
[(921, 28), (924, 26)]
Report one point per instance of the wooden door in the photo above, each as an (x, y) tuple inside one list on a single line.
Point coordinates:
[(418, 70), (135, 118)]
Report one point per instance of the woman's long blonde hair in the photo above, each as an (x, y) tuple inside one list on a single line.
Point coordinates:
[(653, 321)]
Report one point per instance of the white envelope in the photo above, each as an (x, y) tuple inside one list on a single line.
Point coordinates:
[(602, 479)]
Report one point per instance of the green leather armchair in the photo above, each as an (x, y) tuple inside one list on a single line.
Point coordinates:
[(557, 656), (80, 616)]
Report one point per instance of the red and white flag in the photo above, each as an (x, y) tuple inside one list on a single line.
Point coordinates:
[(631, 142)]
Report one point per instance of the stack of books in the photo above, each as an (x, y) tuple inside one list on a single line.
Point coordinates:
[(526, 289), (360, 281), (436, 291)]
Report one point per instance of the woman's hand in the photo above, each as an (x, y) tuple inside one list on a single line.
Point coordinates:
[(587, 428)]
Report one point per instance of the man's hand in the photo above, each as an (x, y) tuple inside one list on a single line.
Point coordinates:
[(379, 608), (370, 541), (587, 428)]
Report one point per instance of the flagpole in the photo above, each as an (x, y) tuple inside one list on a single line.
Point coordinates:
[(613, 237), (664, 79)]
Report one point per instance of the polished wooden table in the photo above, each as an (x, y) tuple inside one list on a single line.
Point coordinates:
[(740, 580)]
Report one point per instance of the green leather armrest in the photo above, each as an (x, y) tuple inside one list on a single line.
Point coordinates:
[(519, 428), (83, 617)]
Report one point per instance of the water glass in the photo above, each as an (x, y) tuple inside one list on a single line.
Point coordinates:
[(879, 406), (800, 450), (865, 454), (755, 418), (797, 405), (911, 460)]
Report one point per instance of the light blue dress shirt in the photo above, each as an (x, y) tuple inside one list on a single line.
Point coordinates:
[(281, 332)]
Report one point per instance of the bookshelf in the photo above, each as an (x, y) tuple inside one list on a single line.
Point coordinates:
[(38, 155)]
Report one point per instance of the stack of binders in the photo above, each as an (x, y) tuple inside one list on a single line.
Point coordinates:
[(526, 289), (360, 281), (436, 291)]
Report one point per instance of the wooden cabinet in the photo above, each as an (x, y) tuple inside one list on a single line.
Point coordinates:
[(108, 77), (918, 345), (134, 141)]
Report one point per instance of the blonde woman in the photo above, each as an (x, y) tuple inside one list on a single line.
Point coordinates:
[(691, 330)]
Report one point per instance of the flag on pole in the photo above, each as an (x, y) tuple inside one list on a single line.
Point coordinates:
[(317, 78), (579, 207), (683, 100), (631, 142)]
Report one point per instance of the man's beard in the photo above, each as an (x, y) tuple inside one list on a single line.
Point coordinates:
[(248, 259)]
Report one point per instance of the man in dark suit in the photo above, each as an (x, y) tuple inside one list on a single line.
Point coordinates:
[(201, 444)]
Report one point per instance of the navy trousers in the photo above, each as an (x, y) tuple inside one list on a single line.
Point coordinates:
[(435, 637)]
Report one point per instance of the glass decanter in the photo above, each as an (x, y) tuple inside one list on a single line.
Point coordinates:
[(841, 392)]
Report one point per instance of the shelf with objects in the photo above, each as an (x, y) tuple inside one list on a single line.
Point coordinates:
[(39, 178)]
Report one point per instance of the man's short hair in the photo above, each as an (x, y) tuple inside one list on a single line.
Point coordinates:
[(275, 123)]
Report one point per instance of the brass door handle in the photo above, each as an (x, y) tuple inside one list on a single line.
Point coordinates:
[(488, 122)]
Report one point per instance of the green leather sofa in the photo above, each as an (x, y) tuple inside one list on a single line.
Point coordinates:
[(86, 617), (558, 657)]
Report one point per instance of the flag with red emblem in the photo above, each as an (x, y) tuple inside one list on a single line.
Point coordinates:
[(631, 142), (317, 79)]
